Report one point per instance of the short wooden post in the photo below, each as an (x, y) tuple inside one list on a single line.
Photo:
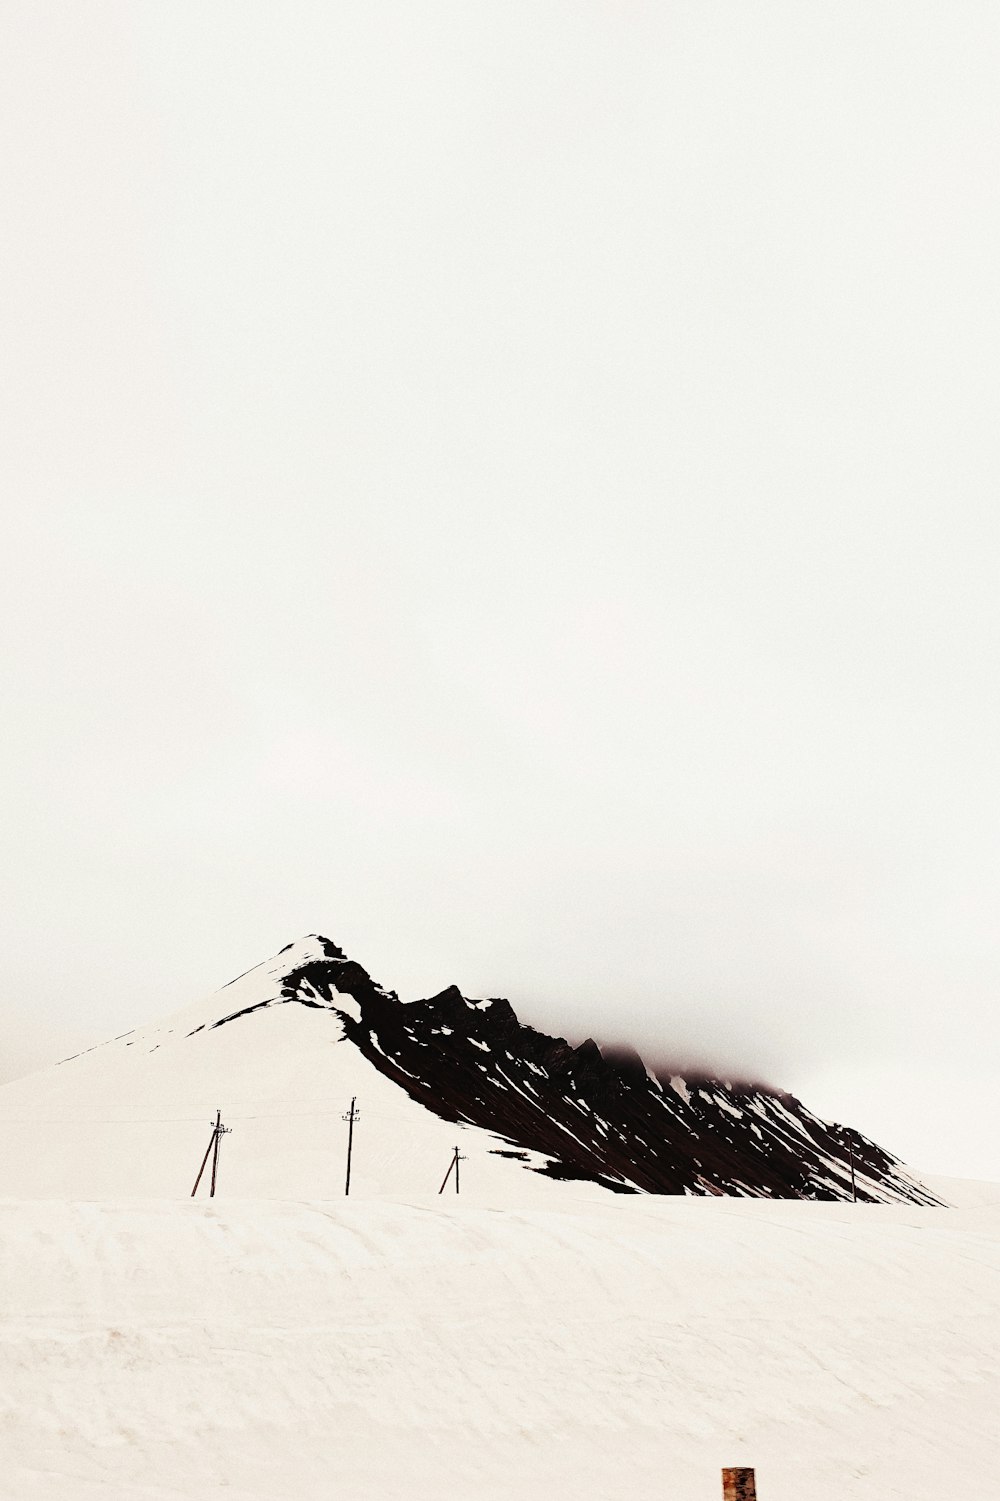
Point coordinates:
[(738, 1485)]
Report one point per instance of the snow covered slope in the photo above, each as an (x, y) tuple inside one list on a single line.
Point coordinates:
[(132, 1116), (616, 1351), (284, 1048)]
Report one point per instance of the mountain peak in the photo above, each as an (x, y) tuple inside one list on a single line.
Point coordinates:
[(600, 1116), (311, 942), (309, 1028)]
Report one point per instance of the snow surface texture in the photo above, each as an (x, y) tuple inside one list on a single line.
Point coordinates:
[(264, 1350)]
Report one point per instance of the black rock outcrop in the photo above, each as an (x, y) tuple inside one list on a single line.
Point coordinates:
[(587, 1114)]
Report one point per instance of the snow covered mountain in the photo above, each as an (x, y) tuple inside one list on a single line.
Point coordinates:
[(283, 1049), (545, 1332)]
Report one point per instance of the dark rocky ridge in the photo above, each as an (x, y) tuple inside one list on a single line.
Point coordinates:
[(592, 1116)]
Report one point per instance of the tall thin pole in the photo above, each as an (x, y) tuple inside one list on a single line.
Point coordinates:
[(204, 1160), (215, 1152), (456, 1158), (350, 1116), (212, 1150), (449, 1171)]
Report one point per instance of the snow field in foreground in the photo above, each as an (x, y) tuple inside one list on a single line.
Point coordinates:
[(261, 1350)]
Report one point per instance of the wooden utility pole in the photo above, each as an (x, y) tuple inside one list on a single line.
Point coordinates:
[(350, 1116), (447, 1175), (220, 1132), (212, 1150), (738, 1485), (457, 1157), (844, 1137)]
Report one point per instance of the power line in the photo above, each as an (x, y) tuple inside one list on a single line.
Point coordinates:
[(175, 1120)]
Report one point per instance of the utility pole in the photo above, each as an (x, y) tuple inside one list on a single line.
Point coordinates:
[(220, 1132), (739, 1485), (212, 1150), (844, 1137), (456, 1159), (350, 1116)]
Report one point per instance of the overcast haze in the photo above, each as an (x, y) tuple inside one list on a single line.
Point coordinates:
[(512, 487)]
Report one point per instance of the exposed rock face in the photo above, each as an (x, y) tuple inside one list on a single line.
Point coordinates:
[(603, 1118)]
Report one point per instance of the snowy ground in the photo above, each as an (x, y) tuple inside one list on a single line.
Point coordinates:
[(275, 1349)]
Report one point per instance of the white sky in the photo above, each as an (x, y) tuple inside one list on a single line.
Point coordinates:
[(512, 486)]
